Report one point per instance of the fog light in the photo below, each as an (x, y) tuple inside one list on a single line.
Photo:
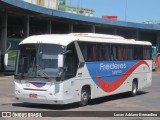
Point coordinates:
[(17, 92), (52, 94)]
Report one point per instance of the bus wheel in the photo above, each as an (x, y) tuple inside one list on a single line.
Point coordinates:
[(134, 88), (84, 97)]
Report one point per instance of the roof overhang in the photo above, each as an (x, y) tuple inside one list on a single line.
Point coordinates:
[(24, 8)]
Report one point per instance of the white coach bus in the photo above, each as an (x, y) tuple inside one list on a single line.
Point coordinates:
[(62, 69)]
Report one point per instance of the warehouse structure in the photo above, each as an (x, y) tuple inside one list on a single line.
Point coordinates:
[(19, 19)]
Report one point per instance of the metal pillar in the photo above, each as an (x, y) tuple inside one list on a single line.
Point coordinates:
[(70, 28), (158, 52), (3, 41), (137, 35), (49, 26), (158, 41), (26, 26), (93, 29), (115, 32)]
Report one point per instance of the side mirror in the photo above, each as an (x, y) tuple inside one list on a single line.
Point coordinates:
[(6, 59), (60, 60)]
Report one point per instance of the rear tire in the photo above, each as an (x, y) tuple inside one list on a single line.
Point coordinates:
[(84, 97), (134, 88)]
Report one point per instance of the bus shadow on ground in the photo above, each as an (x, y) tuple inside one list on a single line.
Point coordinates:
[(114, 97), (76, 105)]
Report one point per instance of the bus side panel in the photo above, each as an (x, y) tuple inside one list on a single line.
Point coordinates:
[(72, 87), (117, 76), (71, 90), (86, 80)]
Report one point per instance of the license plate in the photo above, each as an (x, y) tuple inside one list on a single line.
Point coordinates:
[(33, 95)]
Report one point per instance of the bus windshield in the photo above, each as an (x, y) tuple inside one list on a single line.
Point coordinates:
[(38, 60)]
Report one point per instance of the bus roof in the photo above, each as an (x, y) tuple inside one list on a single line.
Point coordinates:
[(65, 39)]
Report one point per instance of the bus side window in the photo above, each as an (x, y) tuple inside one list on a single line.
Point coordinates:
[(114, 53), (92, 52), (147, 52), (71, 62), (138, 52), (120, 52), (107, 53), (130, 53), (125, 51), (84, 49), (100, 53), (103, 52)]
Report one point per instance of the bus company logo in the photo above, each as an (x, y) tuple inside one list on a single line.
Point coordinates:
[(112, 66), (115, 84), (6, 114)]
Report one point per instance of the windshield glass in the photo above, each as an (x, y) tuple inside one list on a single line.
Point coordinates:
[(38, 60)]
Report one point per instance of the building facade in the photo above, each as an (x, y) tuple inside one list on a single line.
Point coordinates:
[(52, 4), (18, 20), (63, 5)]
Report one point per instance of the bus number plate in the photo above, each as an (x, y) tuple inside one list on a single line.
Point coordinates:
[(33, 95)]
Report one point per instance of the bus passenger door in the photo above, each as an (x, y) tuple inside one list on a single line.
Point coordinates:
[(71, 68)]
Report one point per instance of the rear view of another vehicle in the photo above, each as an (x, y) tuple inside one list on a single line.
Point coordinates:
[(154, 57)]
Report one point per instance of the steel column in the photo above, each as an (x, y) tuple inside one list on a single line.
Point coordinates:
[(3, 41)]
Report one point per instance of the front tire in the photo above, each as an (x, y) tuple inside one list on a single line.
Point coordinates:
[(134, 88), (84, 97)]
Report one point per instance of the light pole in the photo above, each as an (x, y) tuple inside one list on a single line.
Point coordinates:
[(126, 11)]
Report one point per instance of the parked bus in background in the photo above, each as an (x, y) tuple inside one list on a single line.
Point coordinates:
[(154, 57), (62, 69)]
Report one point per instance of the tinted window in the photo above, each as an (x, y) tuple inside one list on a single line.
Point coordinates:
[(147, 52), (114, 52), (138, 52), (89, 51), (103, 52)]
